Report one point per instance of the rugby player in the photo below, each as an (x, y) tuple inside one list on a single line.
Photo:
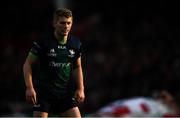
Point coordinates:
[(58, 55)]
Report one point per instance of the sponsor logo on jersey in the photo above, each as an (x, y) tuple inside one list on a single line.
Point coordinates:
[(52, 53), (61, 47), (37, 105), (55, 64)]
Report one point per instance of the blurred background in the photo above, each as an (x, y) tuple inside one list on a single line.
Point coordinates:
[(130, 47)]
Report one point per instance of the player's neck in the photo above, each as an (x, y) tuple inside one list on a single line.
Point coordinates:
[(61, 39)]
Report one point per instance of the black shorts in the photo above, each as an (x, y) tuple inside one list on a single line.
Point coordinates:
[(52, 104), (55, 106)]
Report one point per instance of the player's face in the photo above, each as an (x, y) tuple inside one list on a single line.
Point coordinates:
[(63, 26)]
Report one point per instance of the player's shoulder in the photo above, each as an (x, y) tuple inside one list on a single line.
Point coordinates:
[(74, 39), (74, 42), (44, 39)]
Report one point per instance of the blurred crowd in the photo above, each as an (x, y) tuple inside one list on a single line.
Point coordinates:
[(128, 49)]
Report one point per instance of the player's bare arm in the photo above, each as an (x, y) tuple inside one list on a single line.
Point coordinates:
[(79, 94), (27, 70)]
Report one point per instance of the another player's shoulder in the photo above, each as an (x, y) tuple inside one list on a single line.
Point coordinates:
[(74, 42)]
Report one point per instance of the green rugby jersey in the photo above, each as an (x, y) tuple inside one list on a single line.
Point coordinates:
[(56, 62)]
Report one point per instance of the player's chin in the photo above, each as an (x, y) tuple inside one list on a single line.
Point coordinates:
[(64, 33)]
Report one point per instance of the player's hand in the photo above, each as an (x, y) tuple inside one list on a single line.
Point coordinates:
[(31, 95), (79, 95)]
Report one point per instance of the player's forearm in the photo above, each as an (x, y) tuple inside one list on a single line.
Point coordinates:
[(28, 75), (80, 81)]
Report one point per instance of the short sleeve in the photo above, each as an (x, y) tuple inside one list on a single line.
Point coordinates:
[(75, 44), (79, 50), (37, 48)]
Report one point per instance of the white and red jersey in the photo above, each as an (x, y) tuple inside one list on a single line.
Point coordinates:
[(142, 107)]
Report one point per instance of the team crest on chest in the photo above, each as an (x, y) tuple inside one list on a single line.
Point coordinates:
[(71, 53)]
